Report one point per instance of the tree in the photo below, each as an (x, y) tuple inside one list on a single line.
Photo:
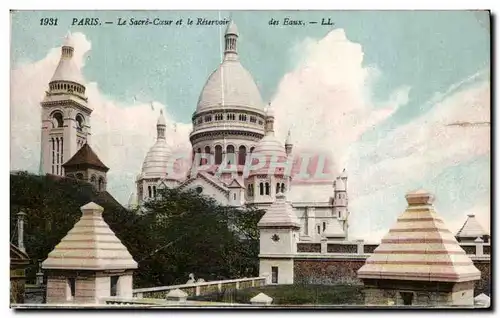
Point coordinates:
[(178, 233)]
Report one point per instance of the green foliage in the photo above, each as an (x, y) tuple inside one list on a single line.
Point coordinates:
[(297, 294), (180, 232)]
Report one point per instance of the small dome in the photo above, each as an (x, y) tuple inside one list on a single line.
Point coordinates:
[(68, 41), (161, 119), (270, 145), (288, 140), (231, 28), (230, 85), (157, 162), (269, 111)]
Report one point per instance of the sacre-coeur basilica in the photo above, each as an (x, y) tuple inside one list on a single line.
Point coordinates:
[(231, 124)]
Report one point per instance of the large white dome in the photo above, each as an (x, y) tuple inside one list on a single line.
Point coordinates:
[(230, 85)]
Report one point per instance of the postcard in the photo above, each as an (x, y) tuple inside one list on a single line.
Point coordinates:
[(250, 159)]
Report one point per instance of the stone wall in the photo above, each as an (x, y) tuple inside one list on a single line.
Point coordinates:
[(309, 247), (201, 288), (484, 284), (369, 248), (469, 249), (344, 271), (487, 249), (327, 271), (342, 248)]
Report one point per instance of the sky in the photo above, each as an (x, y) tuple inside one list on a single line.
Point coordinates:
[(376, 91)]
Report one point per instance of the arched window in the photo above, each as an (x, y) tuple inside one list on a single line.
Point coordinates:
[(79, 176), (251, 149), (277, 188), (199, 156), (58, 119), (261, 185), (93, 180), (207, 151), (242, 154), (283, 188), (230, 154), (154, 191), (324, 226), (79, 122), (267, 188), (319, 229), (252, 188), (101, 184), (234, 196), (150, 194), (218, 154), (249, 190)]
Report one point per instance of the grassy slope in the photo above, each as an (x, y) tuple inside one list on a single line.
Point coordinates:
[(293, 294)]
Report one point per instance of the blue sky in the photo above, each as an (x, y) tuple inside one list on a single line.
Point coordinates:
[(409, 65)]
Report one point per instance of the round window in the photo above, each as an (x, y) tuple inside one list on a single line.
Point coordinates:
[(199, 190)]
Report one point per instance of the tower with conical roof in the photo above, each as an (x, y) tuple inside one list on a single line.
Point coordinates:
[(65, 114), (89, 263), (419, 262), (279, 233)]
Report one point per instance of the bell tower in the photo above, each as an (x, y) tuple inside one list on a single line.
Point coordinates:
[(65, 114)]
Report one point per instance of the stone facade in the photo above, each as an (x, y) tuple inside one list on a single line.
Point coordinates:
[(19, 260), (415, 293), (90, 263)]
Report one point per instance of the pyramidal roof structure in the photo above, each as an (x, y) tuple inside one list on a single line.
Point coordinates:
[(471, 228), (86, 156), (419, 247), (90, 245), (279, 214)]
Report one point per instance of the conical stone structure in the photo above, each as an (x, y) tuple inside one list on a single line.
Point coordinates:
[(89, 263), (90, 245), (419, 261), (471, 230)]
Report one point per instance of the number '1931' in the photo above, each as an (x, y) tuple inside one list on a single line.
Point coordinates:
[(48, 21)]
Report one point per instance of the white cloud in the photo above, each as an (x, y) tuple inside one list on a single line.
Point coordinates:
[(326, 100), (121, 133)]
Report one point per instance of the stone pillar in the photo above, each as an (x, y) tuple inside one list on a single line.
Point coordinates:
[(124, 286), (39, 275), (310, 215), (324, 246), (479, 246), (361, 246), (20, 230)]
